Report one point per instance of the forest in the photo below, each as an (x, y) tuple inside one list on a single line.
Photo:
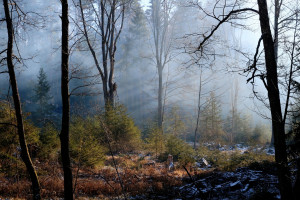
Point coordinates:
[(150, 99)]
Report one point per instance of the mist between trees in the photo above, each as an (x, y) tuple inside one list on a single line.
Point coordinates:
[(159, 77)]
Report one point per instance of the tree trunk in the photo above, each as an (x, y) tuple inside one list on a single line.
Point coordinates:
[(109, 95), (65, 125), (160, 93), (105, 92), (198, 109), (17, 104), (274, 101), (276, 18)]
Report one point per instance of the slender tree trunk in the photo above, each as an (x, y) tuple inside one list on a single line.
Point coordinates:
[(17, 104), (276, 19), (65, 125), (232, 126), (160, 94), (164, 100), (234, 98), (198, 109), (160, 22), (275, 106)]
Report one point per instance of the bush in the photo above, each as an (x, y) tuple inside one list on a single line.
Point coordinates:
[(50, 143), (85, 147), (120, 130), (11, 166), (261, 134), (214, 157), (8, 133), (9, 141), (231, 161), (155, 142), (179, 149)]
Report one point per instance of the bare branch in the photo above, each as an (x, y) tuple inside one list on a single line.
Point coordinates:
[(9, 124), (221, 22), (253, 66)]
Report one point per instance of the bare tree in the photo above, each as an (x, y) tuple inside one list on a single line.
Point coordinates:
[(234, 104), (103, 22), (65, 125), (16, 98), (160, 23), (203, 81), (292, 50), (270, 80), (198, 107)]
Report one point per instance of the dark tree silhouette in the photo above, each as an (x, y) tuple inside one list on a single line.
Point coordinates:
[(270, 80), (17, 103), (41, 98), (65, 123)]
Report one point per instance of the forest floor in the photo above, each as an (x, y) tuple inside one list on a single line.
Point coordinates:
[(143, 177)]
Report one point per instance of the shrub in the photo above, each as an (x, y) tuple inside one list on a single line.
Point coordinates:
[(8, 132), (9, 140), (179, 149), (187, 156), (155, 142), (11, 166), (85, 147), (120, 130), (50, 143), (231, 161), (213, 157), (261, 134)]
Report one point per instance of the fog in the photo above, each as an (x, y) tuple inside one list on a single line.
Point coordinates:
[(136, 74)]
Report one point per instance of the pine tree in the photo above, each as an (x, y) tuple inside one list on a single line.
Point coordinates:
[(211, 120), (135, 34), (133, 46), (261, 134), (243, 129), (155, 141), (42, 99), (175, 123)]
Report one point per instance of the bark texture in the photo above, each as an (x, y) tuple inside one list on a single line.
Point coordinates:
[(276, 19), (17, 104), (274, 101), (65, 125)]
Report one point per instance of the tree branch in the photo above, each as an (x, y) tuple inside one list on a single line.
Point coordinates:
[(253, 66), (222, 21), (9, 124)]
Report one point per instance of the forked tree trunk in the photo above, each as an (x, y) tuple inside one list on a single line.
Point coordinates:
[(65, 125), (110, 24), (275, 106), (17, 104)]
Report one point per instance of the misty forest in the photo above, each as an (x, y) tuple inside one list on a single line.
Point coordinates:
[(150, 99)]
